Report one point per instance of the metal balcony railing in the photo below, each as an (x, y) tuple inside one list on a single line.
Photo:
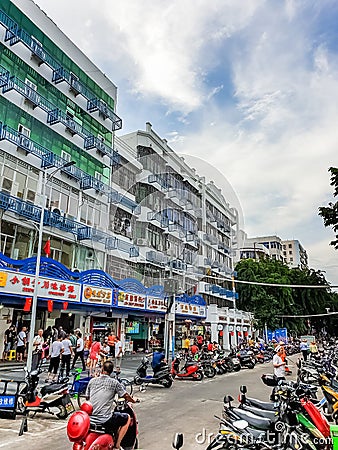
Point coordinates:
[(15, 34), (157, 257), (93, 142)]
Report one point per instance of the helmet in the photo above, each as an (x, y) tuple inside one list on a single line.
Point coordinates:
[(279, 347), (87, 407), (78, 426)]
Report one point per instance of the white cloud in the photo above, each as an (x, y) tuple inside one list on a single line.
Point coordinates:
[(251, 84)]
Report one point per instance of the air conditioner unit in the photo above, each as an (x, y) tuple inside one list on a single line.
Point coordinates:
[(141, 241), (90, 254)]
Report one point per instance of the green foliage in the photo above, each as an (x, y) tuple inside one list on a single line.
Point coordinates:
[(269, 302), (330, 213)]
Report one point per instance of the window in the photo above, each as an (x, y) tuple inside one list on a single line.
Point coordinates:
[(66, 156), (98, 175), (23, 130), (290, 252), (30, 91), (290, 245), (7, 181)]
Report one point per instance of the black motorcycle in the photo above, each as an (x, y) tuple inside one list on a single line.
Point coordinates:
[(246, 358), (162, 376)]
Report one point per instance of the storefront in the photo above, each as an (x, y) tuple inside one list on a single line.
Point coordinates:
[(94, 302), (229, 327), (190, 315)]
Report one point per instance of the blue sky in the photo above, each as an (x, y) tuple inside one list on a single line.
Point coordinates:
[(247, 87)]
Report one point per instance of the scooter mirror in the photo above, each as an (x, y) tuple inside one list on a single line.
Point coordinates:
[(240, 424), (178, 441), (227, 399), (243, 389)]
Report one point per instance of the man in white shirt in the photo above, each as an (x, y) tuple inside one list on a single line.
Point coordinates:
[(55, 353), (66, 355), (37, 349), (118, 354), (278, 364), (21, 344)]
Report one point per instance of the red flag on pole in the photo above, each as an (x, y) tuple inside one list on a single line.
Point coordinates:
[(50, 305), (65, 305), (28, 304), (46, 247)]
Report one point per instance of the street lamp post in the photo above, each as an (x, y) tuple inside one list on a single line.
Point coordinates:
[(45, 179)]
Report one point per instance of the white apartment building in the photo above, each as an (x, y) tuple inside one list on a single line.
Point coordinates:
[(294, 254)]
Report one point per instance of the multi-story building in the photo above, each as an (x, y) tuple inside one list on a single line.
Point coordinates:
[(127, 206), (294, 254), (259, 245)]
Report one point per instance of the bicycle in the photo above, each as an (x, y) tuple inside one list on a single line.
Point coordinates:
[(128, 384)]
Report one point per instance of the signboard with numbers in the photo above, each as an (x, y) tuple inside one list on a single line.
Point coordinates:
[(23, 284)]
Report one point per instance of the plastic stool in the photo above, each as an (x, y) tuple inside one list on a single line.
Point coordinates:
[(11, 355)]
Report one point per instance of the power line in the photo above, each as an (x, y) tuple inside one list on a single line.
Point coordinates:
[(257, 283), (308, 315)]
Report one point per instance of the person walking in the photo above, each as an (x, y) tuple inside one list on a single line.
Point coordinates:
[(37, 349), (66, 355), (21, 344), (278, 363), (55, 353), (118, 354), (79, 351), (304, 348), (94, 353), (9, 337)]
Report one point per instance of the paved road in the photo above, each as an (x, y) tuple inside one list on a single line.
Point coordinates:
[(187, 407)]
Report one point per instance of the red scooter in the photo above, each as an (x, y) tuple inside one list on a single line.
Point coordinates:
[(191, 370), (87, 436)]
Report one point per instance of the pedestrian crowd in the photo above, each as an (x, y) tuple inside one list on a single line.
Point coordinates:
[(62, 349)]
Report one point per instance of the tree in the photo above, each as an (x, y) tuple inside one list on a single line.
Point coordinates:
[(330, 213), (268, 303)]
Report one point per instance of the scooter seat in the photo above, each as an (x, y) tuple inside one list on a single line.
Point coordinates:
[(188, 364), (255, 421), (268, 406), (52, 388), (272, 415)]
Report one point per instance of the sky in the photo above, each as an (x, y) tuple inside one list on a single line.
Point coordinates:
[(248, 88)]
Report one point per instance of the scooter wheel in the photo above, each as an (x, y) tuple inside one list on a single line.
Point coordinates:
[(251, 366), (199, 376), (138, 381), (63, 412), (167, 383)]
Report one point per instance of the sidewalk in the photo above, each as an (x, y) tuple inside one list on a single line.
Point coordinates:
[(8, 365)]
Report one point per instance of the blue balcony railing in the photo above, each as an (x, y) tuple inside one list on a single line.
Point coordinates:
[(14, 34), (90, 182), (93, 142), (4, 76)]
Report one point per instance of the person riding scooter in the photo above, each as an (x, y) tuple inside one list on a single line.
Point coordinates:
[(158, 361), (101, 392)]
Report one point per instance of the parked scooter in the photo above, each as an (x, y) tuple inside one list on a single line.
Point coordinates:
[(88, 436), (191, 370), (246, 358), (53, 399), (162, 377)]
